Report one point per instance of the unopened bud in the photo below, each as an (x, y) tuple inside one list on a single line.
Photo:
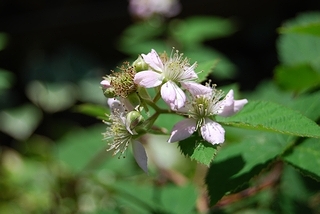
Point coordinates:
[(109, 92), (105, 84), (134, 118), (140, 64)]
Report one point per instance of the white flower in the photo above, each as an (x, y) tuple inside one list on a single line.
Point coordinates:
[(231, 106), (120, 135), (200, 110), (170, 73)]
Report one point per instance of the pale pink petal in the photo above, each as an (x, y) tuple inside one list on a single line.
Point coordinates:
[(189, 74), (231, 106), (126, 103), (212, 132), (148, 79), (182, 130), (115, 105), (105, 84), (238, 104), (153, 60), (173, 95), (140, 155), (196, 88)]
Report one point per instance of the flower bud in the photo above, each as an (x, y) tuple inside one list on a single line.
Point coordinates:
[(133, 119), (105, 84), (109, 93), (140, 64)]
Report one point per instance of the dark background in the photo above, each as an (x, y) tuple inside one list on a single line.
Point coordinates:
[(44, 34)]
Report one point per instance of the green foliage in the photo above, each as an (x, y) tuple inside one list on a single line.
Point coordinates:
[(93, 110), (268, 116), (306, 157), (297, 78), (78, 147), (167, 199), (300, 48), (236, 163), (20, 122), (205, 68), (195, 30), (66, 169), (198, 149)]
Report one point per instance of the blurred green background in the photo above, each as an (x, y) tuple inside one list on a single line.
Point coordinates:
[(53, 55)]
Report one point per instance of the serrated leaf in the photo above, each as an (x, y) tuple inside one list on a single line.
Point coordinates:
[(205, 68), (268, 116), (198, 149), (236, 163), (306, 157)]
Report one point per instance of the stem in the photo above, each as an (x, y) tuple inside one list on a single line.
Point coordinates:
[(157, 97)]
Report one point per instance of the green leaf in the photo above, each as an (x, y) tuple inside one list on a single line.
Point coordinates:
[(307, 105), (311, 29), (79, 146), (198, 149), (269, 91), (195, 30), (305, 23), (92, 110), (299, 49), (270, 116), (224, 68), (205, 68), (306, 157), (236, 163), (296, 48), (297, 78), (177, 199)]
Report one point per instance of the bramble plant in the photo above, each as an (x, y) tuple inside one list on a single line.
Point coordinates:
[(174, 80)]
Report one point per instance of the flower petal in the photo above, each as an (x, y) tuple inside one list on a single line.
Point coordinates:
[(196, 88), (105, 84), (238, 104), (148, 79), (153, 60), (173, 95), (189, 74), (140, 155), (231, 106), (115, 105), (182, 130), (212, 132)]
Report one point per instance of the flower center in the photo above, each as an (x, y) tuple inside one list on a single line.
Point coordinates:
[(118, 134)]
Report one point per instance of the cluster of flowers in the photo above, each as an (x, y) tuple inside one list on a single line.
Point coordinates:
[(174, 79)]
